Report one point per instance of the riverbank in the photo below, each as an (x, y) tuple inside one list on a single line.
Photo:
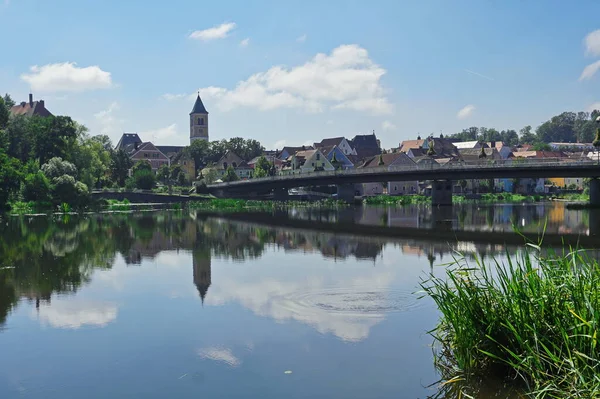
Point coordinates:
[(531, 318)]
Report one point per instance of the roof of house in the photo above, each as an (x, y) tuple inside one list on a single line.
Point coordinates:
[(365, 145), (386, 159), (466, 144), (170, 149), (199, 107), (292, 150), (145, 146), (231, 159), (410, 144), (29, 109), (473, 154), (329, 142), (128, 141), (497, 144), (539, 154)]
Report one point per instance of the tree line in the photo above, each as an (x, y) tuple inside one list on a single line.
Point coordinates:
[(54, 160), (567, 127)]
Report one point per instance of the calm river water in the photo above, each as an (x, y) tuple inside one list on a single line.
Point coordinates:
[(300, 304)]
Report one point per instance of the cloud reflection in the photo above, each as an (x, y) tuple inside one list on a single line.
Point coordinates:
[(223, 355), (74, 315)]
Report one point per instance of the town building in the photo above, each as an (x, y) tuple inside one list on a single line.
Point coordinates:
[(339, 142), (241, 168), (30, 108), (366, 145), (198, 121), (305, 162), (389, 161)]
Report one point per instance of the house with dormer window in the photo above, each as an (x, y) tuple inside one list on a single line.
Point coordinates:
[(306, 162)]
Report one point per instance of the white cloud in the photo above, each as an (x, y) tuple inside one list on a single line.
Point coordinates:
[(279, 144), (74, 315), (592, 43), (590, 71), (465, 112), (67, 77), (162, 134), (245, 42), (387, 125), (220, 355), (593, 107), (345, 79), (216, 32), (109, 120), (301, 39)]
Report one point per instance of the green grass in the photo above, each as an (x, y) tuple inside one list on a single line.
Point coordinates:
[(397, 200), (243, 205), (532, 318), (498, 198), (21, 208)]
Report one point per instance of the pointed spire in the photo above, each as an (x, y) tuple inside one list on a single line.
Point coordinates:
[(199, 106)]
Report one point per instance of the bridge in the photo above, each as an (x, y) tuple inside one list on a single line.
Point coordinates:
[(441, 176)]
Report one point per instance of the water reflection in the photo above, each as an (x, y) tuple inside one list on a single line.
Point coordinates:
[(41, 256)]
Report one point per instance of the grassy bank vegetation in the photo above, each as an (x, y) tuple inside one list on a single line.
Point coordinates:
[(241, 205), (396, 200), (532, 319)]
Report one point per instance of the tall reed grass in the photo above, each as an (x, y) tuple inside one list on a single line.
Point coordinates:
[(531, 318)]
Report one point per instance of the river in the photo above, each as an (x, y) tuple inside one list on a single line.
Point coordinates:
[(296, 304)]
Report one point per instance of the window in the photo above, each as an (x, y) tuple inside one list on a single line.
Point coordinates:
[(234, 164), (318, 157), (224, 165), (323, 164), (313, 164), (145, 155)]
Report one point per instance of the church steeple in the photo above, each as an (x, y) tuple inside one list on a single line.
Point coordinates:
[(199, 107), (198, 121)]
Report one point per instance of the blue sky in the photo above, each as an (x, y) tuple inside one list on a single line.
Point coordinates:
[(293, 72)]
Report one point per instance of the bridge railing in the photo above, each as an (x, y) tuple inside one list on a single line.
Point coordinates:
[(459, 165)]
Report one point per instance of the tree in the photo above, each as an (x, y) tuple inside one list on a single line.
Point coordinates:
[(143, 176), (56, 167), (199, 150), (4, 113), (53, 136), (120, 164), (431, 150), (539, 146), (527, 136), (163, 174), (8, 101), (262, 168), (230, 175), (9, 177), (380, 162), (36, 187)]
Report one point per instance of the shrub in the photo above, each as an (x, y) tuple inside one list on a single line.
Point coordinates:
[(144, 179), (36, 187)]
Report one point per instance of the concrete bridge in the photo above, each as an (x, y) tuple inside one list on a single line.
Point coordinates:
[(440, 175)]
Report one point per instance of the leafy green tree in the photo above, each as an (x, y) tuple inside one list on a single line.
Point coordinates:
[(68, 190), (163, 174), (199, 150), (56, 167), (120, 163), (230, 175), (8, 101), (539, 146), (262, 168), (9, 177), (36, 187), (209, 175), (527, 136), (53, 136), (144, 179), (3, 114)]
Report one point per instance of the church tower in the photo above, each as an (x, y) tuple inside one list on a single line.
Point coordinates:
[(198, 121)]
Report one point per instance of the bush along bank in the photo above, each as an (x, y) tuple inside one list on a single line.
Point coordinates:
[(233, 205), (532, 319)]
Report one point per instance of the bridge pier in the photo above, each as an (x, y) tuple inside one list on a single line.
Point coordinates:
[(345, 192), (280, 194), (441, 192), (595, 192)]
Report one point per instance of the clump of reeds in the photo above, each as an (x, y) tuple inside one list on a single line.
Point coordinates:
[(532, 318)]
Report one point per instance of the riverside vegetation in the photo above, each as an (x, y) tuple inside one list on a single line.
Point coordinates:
[(533, 319)]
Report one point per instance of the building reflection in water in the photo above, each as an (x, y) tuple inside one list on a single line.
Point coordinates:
[(43, 256)]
